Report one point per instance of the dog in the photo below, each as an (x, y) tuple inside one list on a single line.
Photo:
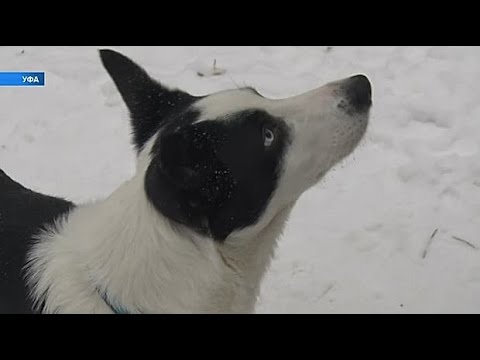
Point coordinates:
[(195, 229)]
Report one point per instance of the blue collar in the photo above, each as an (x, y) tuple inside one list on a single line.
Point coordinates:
[(117, 309)]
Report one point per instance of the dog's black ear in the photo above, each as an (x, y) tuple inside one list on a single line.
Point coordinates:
[(148, 101)]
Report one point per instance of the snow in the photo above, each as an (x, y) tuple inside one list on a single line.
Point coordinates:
[(355, 243)]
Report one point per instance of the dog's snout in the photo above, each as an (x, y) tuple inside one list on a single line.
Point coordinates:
[(359, 92)]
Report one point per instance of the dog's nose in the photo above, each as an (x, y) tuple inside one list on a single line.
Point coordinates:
[(359, 92)]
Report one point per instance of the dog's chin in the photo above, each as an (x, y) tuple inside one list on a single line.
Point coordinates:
[(340, 153)]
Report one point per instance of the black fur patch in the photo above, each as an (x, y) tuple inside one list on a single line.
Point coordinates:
[(216, 176), (23, 213)]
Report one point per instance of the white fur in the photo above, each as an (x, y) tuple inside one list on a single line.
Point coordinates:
[(147, 264)]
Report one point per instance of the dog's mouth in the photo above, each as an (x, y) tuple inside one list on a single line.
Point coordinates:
[(357, 94)]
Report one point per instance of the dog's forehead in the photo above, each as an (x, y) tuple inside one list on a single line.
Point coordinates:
[(218, 106)]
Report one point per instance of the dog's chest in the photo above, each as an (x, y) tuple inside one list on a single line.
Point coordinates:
[(204, 286)]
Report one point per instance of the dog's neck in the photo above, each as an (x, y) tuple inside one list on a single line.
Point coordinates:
[(123, 249)]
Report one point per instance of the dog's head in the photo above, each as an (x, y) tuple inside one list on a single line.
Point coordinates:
[(230, 161)]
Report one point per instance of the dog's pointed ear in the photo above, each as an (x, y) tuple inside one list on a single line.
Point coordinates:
[(148, 101)]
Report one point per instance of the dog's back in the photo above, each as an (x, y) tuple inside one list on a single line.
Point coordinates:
[(23, 213)]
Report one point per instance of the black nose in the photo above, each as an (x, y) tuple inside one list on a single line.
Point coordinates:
[(359, 92)]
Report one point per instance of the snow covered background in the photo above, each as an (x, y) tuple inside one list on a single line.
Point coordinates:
[(356, 242)]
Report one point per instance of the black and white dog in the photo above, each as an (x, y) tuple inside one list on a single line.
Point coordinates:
[(195, 229)]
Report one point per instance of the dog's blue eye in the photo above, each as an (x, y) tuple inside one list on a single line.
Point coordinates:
[(268, 137)]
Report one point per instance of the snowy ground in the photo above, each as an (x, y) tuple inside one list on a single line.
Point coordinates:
[(356, 242)]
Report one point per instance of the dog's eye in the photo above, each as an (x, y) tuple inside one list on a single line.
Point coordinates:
[(268, 137)]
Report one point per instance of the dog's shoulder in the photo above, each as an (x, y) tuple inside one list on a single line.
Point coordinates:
[(23, 213), (25, 209)]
